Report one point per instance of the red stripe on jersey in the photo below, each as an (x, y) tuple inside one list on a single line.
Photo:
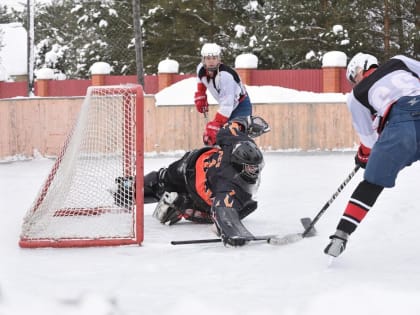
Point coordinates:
[(355, 211)]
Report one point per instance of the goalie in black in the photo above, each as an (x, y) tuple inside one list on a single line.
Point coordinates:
[(212, 184)]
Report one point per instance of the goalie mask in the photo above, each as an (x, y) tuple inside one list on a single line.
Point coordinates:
[(248, 160)]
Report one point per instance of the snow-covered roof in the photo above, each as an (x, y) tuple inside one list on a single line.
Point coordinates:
[(13, 54)]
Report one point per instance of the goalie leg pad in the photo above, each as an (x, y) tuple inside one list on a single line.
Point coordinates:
[(230, 227), (249, 207), (154, 186)]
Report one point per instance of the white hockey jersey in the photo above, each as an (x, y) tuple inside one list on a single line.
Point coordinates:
[(374, 95), (226, 87)]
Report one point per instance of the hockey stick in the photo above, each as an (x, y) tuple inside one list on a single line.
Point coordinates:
[(217, 240), (309, 224), (202, 241)]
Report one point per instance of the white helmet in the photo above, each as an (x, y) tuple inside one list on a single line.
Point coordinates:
[(210, 49), (359, 62)]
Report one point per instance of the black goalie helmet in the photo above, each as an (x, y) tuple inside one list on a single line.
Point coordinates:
[(248, 160)]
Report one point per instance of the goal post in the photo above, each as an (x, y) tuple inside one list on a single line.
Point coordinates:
[(93, 195)]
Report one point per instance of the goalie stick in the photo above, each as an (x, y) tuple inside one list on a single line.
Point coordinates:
[(309, 224), (218, 240)]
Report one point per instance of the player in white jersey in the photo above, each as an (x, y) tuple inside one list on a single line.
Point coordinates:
[(385, 109), (225, 86)]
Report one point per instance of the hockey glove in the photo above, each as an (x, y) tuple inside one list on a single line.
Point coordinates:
[(166, 211), (200, 99), (362, 156), (212, 128)]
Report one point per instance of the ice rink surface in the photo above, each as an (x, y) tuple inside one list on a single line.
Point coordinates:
[(379, 273)]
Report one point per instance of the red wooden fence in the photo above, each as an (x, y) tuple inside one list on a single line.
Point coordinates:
[(301, 79)]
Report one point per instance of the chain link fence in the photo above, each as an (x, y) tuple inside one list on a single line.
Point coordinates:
[(81, 35)]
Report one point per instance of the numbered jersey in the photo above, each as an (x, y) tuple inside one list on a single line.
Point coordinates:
[(374, 95)]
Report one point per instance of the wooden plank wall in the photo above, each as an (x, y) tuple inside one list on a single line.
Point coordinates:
[(294, 126), (37, 124), (42, 124)]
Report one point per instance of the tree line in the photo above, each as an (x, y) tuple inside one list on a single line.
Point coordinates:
[(283, 34)]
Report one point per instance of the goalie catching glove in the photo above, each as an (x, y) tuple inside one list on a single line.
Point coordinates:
[(253, 126)]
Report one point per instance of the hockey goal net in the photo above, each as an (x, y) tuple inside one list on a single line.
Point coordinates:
[(88, 196)]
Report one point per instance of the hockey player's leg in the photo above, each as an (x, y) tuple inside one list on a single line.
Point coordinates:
[(362, 199), (154, 186), (394, 150), (166, 179)]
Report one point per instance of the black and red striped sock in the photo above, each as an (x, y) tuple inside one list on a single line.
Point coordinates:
[(362, 199)]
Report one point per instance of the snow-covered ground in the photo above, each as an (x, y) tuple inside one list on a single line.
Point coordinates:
[(378, 274)]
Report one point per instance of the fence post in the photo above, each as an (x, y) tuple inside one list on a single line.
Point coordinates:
[(332, 64), (166, 72), (99, 71), (244, 63), (44, 76)]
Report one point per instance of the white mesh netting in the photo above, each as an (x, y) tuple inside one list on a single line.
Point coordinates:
[(81, 199)]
